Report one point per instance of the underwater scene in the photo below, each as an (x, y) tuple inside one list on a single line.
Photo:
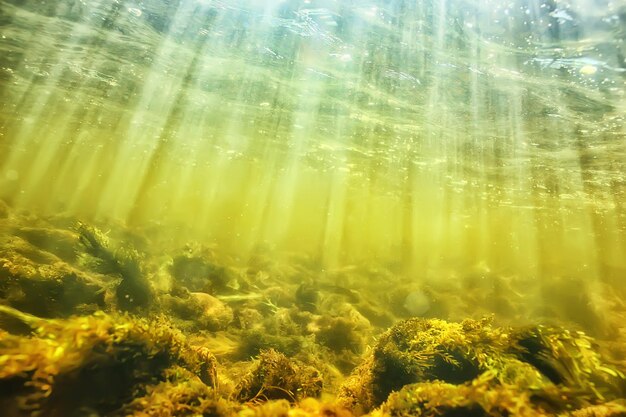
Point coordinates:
[(312, 208)]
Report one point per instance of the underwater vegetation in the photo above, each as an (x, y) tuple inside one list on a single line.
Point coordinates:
[(434, 367), (97, 362), (116, 324), (133, 290)]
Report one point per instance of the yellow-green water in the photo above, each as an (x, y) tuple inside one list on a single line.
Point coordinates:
[(259, 208), (433, 137)]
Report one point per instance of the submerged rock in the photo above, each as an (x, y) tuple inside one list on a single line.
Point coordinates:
[(198, 309), (276, 377), (215, 314), (196, 270), (96, 362), (483, 398), (38, 282), (545, 369)]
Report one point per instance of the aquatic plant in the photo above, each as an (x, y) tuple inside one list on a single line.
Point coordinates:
[(549, 369), (483, 398), (276, 377), (196, 269), (99, 362), (134, 290), (339, 334), (179, 396)]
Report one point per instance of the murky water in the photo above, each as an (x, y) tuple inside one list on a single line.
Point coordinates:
[(436, 148)]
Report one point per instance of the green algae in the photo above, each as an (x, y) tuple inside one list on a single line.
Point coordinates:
[(188, 353)]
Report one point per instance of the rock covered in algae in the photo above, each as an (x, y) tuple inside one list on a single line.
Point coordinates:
[(98, 362), (197, 270), (39, 282), (200, 310), (276, 377), (547, 370), (55, 267), (485, 397), (179, 396)]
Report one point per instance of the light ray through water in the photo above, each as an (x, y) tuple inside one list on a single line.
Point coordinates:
[(433, 136)]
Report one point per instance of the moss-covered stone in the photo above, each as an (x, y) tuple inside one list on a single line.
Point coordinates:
[(545, 366), (196, 270), (100, 362), (276, 377), (38, 282)]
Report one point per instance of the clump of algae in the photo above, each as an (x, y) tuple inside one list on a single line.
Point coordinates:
[(276, 377), (433, 367), (99, 361), (133, 291), (116, 364)]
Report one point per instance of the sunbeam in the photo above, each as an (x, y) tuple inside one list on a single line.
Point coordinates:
[(318, 170)]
